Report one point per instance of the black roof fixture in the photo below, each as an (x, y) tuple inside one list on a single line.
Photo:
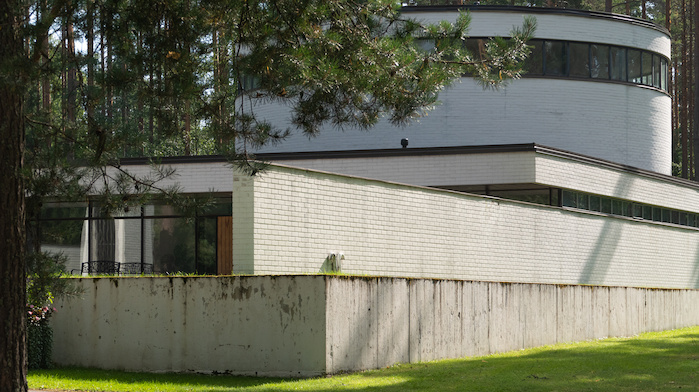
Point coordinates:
[(404, 142)]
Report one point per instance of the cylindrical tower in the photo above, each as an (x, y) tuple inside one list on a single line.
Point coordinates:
[(597, 85)]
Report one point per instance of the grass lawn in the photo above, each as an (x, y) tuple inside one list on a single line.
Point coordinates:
[(662, 361)]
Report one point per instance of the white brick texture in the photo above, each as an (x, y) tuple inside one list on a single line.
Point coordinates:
[(397, 230)]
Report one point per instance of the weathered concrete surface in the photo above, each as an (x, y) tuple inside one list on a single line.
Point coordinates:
[(264, 325), (315, 324), (436, 319)]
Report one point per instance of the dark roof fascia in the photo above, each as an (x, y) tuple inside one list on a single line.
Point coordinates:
[(374, 153), (538, 10), (173, 160), (396, 152)]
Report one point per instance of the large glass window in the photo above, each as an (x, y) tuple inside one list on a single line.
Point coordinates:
[(618, 63), (656, 72), (634, 65), (555, 58), (599, 61), (579, 59), (534, 64), (155, 237), (647, 68), (590, 60), (172, 242)]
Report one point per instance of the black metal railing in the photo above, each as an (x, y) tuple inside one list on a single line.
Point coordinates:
[(104, 267)]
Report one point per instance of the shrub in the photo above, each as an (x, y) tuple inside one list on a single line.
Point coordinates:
[(39, 337)]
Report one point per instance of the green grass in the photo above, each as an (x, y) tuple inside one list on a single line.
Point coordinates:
[(663, 361)]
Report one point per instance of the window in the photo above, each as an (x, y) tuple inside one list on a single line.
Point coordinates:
[(156, 235), (656, 72), (618, 63), (647, 68), (590, 60), (634, 65), (534, 64), (555, 58), (579, 59), (599, 61)]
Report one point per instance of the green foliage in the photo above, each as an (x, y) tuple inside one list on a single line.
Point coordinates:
[(44, 284), (43, 279), (39, 343), (176, 77)]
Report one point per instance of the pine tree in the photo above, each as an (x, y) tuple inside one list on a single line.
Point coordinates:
[(148, 88)]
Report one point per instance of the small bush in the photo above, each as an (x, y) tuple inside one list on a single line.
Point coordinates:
[(39, 337)]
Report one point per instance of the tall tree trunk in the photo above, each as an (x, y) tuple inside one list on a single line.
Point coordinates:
[(13, 351), (695, 113), (684, 93)]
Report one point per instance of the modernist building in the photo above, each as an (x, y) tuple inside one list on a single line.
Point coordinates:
[(562, 176)]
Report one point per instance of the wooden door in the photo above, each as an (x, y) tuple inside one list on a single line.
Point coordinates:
[(224, 248)]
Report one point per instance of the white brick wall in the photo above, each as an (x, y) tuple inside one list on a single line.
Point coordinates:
[(559, 26), (433, 170), (620, 123), (397, 230), (192, 177), (605, 181), (512, 168)]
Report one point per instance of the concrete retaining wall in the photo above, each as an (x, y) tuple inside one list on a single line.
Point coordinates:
[(316, 324)]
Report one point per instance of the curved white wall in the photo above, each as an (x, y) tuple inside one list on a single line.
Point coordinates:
[(623, 123), (560, 24)]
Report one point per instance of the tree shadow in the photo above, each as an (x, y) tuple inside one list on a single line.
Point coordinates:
[(658, 363)]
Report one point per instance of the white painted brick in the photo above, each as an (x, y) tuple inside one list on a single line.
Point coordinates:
[(397, 230)]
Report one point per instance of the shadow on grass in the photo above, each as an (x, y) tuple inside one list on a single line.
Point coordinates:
[(656, 363)]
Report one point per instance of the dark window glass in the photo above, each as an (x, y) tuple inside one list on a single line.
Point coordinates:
[(537, 196), (656, 71), (595, 203), (675, 217), (534, 64), (648, 212), (606, 205), (683, 218), (663, 74), (569, 199), (617, 207), (579, 59), (583, 201), (554, 197), (172, 242), (691, 220), (476, 46), (626, 208), (222, 208), (64, 224), (599, 61), (618, 63), (647, 68), (657, 214), (102, 240), (555, 58), (666, 215), (634, 62), (637, 210), (206, 262)]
